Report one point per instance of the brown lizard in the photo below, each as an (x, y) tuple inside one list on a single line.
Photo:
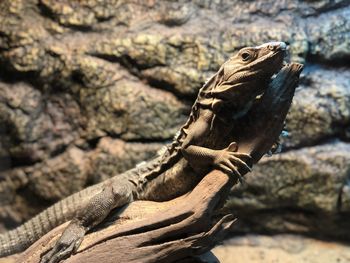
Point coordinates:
[(203, 143)]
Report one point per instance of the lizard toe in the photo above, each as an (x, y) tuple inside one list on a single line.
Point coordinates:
[(241, 163), (59, 252), (63, 253), (68, 243)]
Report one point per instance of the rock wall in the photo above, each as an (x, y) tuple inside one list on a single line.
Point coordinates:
[(90, 88)]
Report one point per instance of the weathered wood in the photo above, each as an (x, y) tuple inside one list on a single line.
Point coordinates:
[(153, 232)]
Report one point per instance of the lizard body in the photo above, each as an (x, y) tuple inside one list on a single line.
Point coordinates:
[(204, 142)]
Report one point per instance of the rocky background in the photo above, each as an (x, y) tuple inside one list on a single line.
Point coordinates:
[(90, 88)]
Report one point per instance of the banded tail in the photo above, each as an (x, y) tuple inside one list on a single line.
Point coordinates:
[(22, 237)]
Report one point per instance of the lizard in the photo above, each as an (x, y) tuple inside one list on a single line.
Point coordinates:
[(203, 143)]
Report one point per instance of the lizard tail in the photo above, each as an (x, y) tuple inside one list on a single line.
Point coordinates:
[(22, 237)]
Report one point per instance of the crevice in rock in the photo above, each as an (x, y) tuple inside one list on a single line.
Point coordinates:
[(46, 12), (310, 222), (164, 85), (5, 163), (331, 139), (330, 63), (12, 76), (341, 190), (126, 61), (136, 70), (93, 142), (333, 6), (59, 150), (344, 131), (80, 28), (21, 161)]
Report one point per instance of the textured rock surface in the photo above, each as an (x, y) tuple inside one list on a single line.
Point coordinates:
[(304, 191), (281, 249), (90, 88)]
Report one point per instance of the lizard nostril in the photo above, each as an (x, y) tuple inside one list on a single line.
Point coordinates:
[(270, 47)]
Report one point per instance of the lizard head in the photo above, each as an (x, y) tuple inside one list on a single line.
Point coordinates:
[(246, 75)]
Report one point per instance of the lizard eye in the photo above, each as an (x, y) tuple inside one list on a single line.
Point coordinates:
[(245, 56)]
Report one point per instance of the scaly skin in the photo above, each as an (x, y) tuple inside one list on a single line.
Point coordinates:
[(204, 142)]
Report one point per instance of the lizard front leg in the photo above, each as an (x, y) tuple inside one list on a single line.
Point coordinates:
[(97, 208), (227, 160)]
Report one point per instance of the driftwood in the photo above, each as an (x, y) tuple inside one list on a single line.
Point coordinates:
[(179, 229), (153, 232)]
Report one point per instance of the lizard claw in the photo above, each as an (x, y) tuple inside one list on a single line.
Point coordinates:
[(236, 158), (239, 175), (68, 243), (57, 253), (230, 161), (232, 170)]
